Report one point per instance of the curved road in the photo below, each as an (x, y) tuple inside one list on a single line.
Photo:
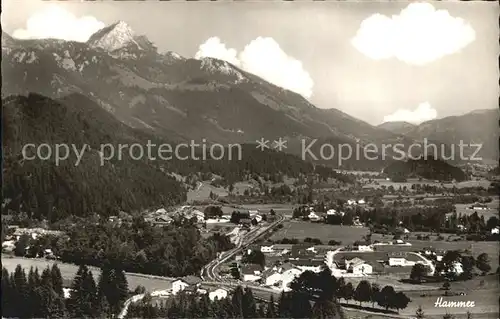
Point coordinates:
[(211, 278), (209, 274)]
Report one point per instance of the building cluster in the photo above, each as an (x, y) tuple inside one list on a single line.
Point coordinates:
[(192, 284), (163, 217), (15, 233), (286, 262)]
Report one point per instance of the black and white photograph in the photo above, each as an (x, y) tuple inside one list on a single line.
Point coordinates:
[(250, 159)]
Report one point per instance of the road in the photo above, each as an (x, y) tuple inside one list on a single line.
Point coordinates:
[(211, 278), (209, 274)]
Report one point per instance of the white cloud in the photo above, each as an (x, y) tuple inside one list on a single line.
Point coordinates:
[(214, 48), (424, 112), (418, 35), (55, 22), (265, 58)]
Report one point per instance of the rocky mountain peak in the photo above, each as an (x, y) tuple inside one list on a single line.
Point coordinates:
[(113, 37)]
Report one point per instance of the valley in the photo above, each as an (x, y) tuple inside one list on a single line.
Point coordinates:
[(286, 208)]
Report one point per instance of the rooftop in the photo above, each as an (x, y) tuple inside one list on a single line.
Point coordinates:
[(250, 269), (397, 254), (191, 280)]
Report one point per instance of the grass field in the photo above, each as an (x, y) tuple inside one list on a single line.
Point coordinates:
[(485, 300), (202, 192), (491, 211), (477, 248), (409, 182), (68, 272), (324, 232)]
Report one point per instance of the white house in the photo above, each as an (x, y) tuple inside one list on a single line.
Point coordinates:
[(361, 201), (313, 216), (312, 249), (251, 272), (273, 279), (266, 249), (178, 286), (202, 291), (306, 264), (218, 294), (495, 230), (282, 278), (8, 245), (361, 268), (161, 211), (457, 268), (200, 216), (365, 248), (258, 218), (185, 282), (67, 293), (353, 261), (397, 259)]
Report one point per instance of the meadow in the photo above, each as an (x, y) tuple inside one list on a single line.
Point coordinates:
[(302, 229), (378, 183), (68, 272), (487, 213), (476, 248)]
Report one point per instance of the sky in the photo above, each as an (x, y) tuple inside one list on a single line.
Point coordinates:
[(377, 61)]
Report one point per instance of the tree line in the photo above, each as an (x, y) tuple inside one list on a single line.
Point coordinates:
[(175, 250), (312, 295), (36, 295)]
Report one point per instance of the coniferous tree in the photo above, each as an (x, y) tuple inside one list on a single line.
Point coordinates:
[(237, 302), (57, 280), (248, 304), (300, 305), (204, 307), (103, 308), (21, 293), (33, 287), (121, 286), (271, 308), (52, 304), (104, 286), (83, 295), (284, 305), (363, 292), (7, 294)]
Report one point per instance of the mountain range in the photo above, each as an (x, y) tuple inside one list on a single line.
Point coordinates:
[(54, 190), (476, 127), (183, 99)]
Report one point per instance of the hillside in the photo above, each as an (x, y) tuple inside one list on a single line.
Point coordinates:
[(41, 188), (50, 189), (399, 127), (425, 168), (164, 93), (477, 127)]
